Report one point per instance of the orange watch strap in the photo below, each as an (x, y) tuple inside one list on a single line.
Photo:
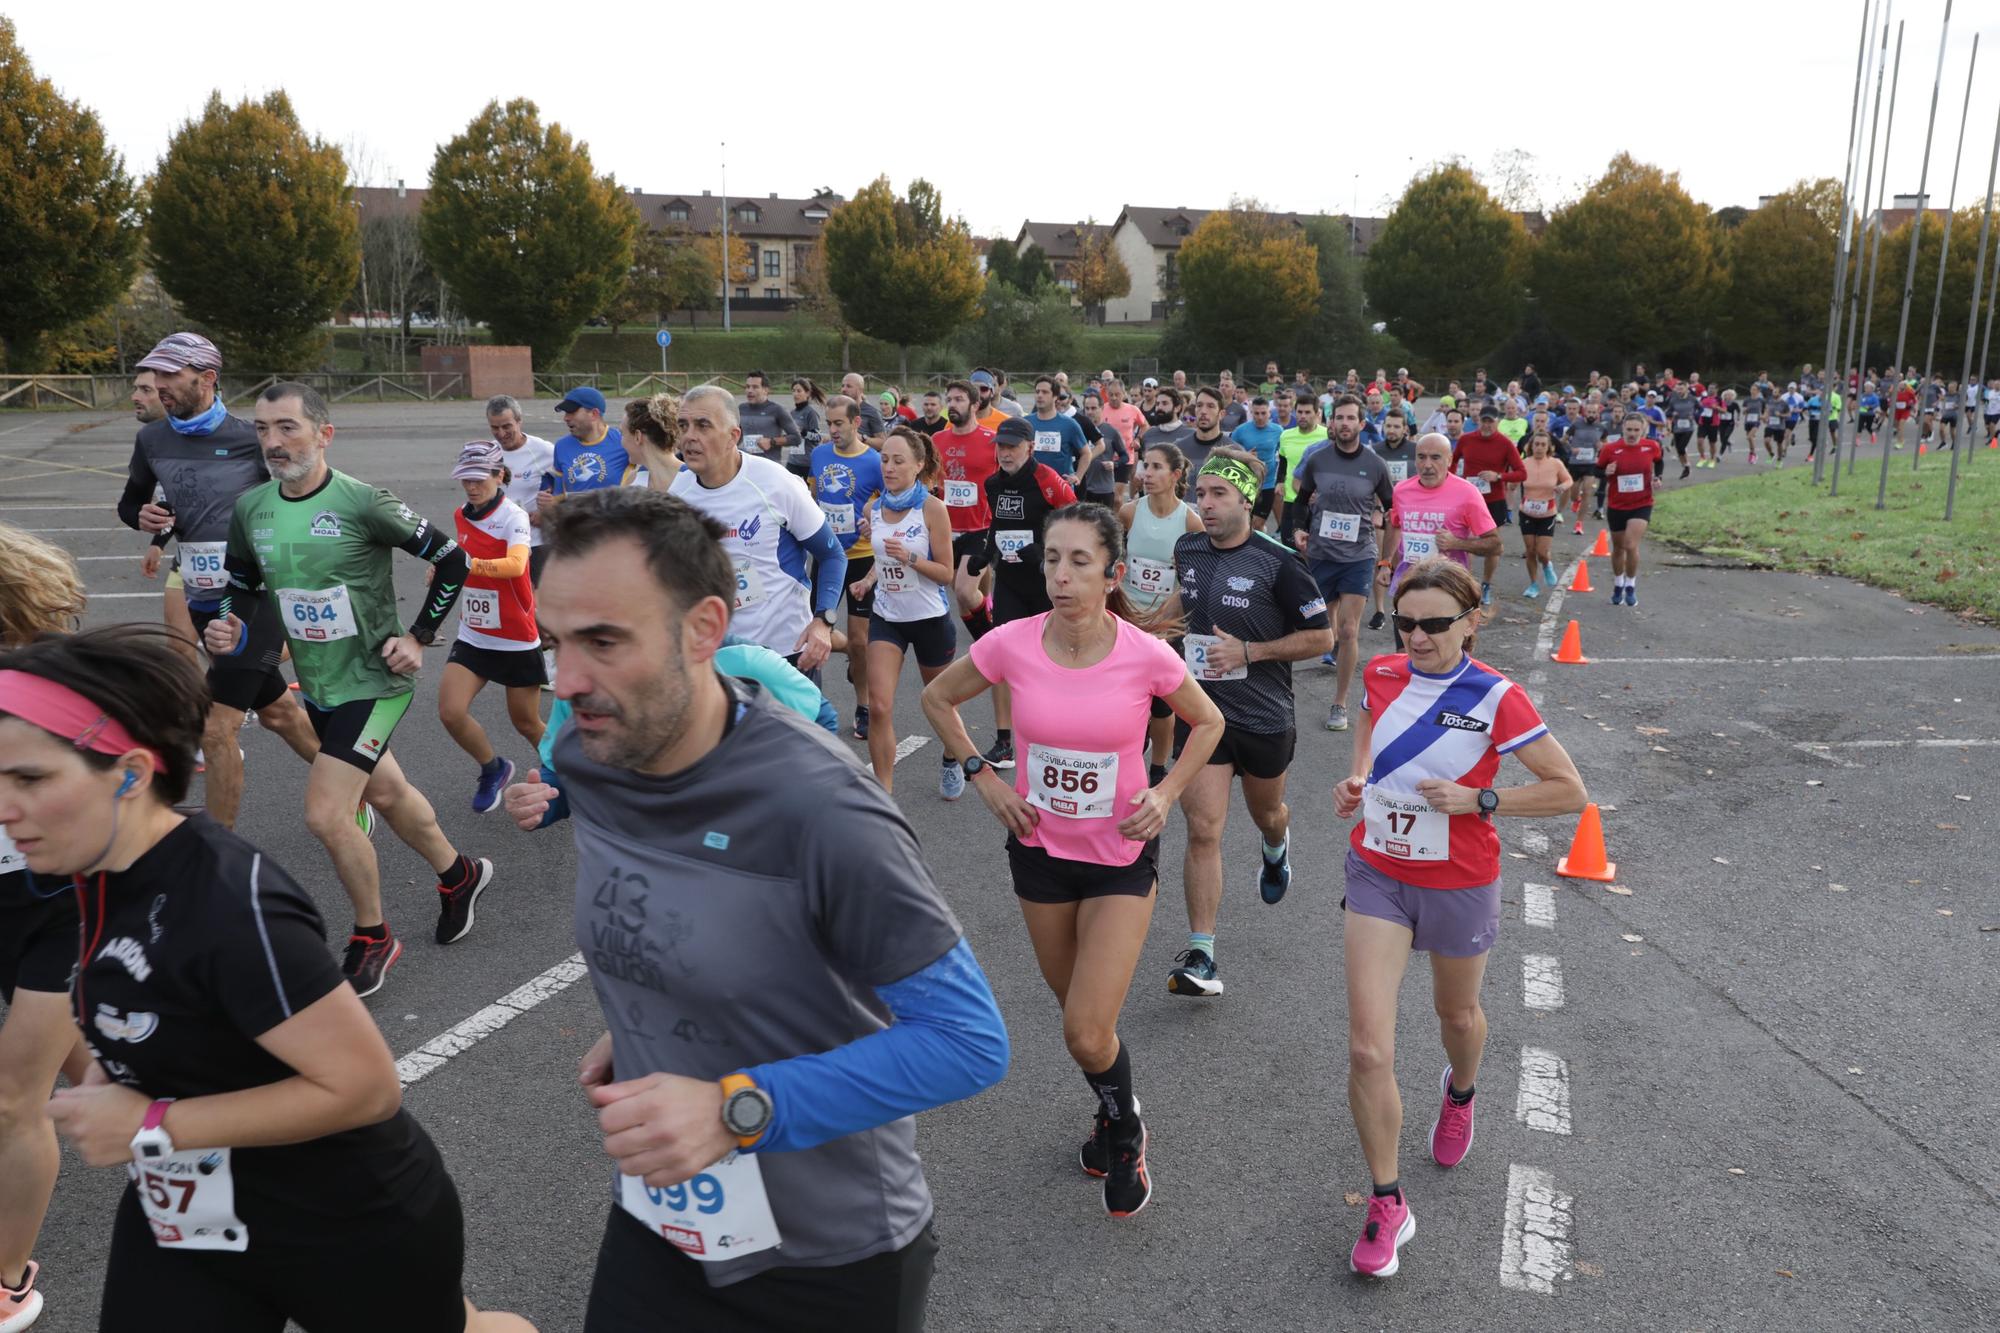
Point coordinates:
[(731, 1085)]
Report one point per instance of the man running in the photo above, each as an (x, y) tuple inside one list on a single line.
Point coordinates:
[(320, 543), (1436, 514), (784, 985), (1060, 444), (846, 478), (205, 459), (1250, 610), (1344, 490), (1399, 455), (1586, 438), (1207, 431), (768, 428), (1260, 435), (1629, 471), (1492, 463), (1304, 433), (146, 409)]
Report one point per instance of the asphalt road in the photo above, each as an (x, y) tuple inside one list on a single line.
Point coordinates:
[(1755, 1087)]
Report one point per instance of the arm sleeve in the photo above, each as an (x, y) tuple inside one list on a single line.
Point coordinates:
[(783, 681), (559, 807), (511, 566), (788, 427), (448, 558), (829, 566), (1056, 489), (139, 484), (946, 1042)]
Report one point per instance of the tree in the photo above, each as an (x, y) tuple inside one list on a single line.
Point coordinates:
[(670, 271), (1732, 217), (1098, 271), (1448, 272), (1894, 264), (1000, 260), (394, 277), (900, 271), (1516, 177), (1336, 334), (530, 238), (69, 221), (1032, 270), (1250, 279), (1029, 330), (1631, 266), (1780, 278)]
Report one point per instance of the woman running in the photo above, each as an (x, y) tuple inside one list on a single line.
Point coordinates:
[(497, 641), (809, 412), (1423, 868), (1153, 522), (239, 1081), (652, 423), (1541, 495), (911, 578), (1082, 820), (39, 594)]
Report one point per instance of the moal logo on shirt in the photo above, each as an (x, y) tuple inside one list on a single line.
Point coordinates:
[(585, 468), (325, 523)]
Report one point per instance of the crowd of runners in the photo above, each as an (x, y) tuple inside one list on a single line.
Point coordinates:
[(1131, 574)]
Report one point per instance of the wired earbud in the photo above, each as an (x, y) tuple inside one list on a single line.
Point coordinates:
[(131, 781)]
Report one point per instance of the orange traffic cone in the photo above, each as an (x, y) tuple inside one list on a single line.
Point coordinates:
[(1922, 449), (1586, 851), (1572, 646), (1603, 547), (1581, 583)]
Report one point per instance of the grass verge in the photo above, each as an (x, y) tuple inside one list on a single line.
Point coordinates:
[(1780, 519)]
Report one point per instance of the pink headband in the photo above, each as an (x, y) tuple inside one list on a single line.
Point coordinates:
[(61, 711)]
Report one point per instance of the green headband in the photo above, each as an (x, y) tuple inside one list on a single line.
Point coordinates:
[(1235, 472)]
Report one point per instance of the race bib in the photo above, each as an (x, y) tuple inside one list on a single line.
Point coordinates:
[(749, 588), (190, 1200), (961, 494), (723, 1213), (1076, 783), (1340, 527), (1398, 471), (12, 858), (1011, 544), (1048, 442), (1631, 483), (317, 617), (1538, 508), (1419, 546), (1480, 484), (1404, 825), (1196, 648), (795, 453), (892, 577), (753, 442), (1153, 578), (1583, 453), (839, 517), (479, 608), (201, 566), (1752, 418), (1682, 423)]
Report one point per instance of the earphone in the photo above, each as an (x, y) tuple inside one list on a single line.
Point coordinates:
[(131, 781)]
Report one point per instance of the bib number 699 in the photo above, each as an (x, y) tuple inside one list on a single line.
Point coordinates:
[(706, 1192)]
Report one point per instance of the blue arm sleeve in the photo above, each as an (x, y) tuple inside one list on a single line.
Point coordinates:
[(829, 567), (558, 808), (947, 1042), (829, 716)]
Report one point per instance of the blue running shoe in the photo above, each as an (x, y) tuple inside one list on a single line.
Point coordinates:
[(1275, 876), (951, 781), (492, 782), (1195, 976)]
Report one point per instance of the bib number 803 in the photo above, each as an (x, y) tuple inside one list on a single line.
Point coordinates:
[(706, 1192)]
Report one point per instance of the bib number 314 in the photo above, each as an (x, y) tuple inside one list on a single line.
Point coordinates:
[(723, 1213)]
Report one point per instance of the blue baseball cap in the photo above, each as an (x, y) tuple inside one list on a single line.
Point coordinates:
[(584, 397)]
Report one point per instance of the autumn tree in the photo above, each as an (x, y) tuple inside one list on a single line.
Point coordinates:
[(530, 238), (253, 231), (1894, 265), (1032, 270), (1631, 266), (1780, 277), (1448, 273), (671, 270), (1336, 333), (1001, 255), (1249, 279), (900, 270), (69, 220), (1098, 270)]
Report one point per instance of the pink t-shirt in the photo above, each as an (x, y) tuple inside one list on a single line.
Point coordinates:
[(1078, 733), (1455, 507)]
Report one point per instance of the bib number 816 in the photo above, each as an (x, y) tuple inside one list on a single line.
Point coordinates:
[(705, 1189), (1063, 779)]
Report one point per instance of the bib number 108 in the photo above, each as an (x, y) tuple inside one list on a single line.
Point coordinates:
[(703, 1193)]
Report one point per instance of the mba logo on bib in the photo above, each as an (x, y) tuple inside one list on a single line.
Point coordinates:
[(326, 523)]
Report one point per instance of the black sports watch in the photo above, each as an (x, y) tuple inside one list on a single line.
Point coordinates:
[(1489, 801), (972, 764)]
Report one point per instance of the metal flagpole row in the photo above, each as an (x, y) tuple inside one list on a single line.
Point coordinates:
[(1972, 317), (1917, 227), (1874, 250), (1845, 229)]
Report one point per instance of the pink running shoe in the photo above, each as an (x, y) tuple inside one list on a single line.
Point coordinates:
[(20, 1306), (1451, 1134), (1390, 1223)]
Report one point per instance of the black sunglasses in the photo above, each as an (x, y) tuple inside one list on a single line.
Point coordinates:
[(1430, 624)]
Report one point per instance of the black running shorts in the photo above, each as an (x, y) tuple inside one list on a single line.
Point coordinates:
[(1042, 878)]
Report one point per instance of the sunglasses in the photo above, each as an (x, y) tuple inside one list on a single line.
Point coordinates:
[(1430, 624)]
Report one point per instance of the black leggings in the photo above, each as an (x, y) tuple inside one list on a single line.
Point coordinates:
[(1681, 438)]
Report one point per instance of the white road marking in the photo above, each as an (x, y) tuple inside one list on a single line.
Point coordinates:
[(1534, 842), (1783, 661), (120, 528), (441, 1049), (1535, 1249), (122, 596), (909, 745), (1543, 1100), (1545, 637), (1920, 742), (1538, 905), (1541, 981), (38, 508)]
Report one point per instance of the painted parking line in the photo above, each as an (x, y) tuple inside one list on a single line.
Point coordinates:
[(1538, 905), (1541, 981), (1789, 661), (122, 596), (440, 1050), (909, 745), (1534, 842), (1535, 1248), (42, 531), (1542, 1101)]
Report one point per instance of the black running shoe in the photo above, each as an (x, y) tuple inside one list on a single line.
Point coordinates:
[(1128, 1186), (1095, 1154), (1378, 620), (1276, 876), (1001, 755), (368, 961), (1195, 976), (455, 906)]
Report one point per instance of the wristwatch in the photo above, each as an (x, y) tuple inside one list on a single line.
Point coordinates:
[(746, 1109), (972, 764), (831, 616), (1489, 801), (424, 637), (151, 1143)]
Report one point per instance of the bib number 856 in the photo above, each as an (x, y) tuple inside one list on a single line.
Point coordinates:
[(705, 1189), (1063, 779)]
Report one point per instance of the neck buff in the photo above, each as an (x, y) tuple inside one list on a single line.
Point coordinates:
[(203, 424), (904, 500), (1235, 473)]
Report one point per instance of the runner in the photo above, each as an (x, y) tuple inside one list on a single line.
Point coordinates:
[(1726, 419), (1775, 408), (497, 639), (1304, 434), (1060, 444), (591, 457), (854, 387), (771, 528), (1260, 436), (1100, 482), (321, 543), (1682, 408), (907, 587), (1629, 469), (204, 459), (173, 596), (1423, 869), (1399, 455), (1436, 513), (1154, 523), (932, 421), (1542, 490), (832, 994), (652, 424), (1207, 433), (1130, 423), (768, 428), (40, 594), (1083, 821), (245, 1090), (1904, 396), (1250, 610), (1489, 460), (1343, 489), (967, 454), (809, 412), (846, 479)]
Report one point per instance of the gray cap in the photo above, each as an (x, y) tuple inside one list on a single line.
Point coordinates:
[(182, 351)]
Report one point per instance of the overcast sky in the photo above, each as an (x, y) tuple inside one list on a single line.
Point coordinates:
[(1056, 111)]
